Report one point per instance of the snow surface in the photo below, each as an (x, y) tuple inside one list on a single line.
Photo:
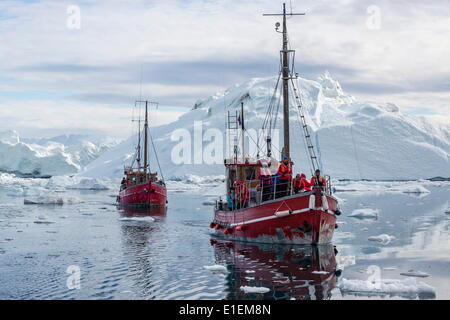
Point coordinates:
[(388, 286), (47, 157), (354, 139)]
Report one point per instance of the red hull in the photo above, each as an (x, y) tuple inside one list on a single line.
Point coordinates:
[(144, 195), (261, 223), (300, 272)]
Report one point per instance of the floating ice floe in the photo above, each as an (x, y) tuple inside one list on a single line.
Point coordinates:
[(138, 219), (365, 213), (248, 289), (216, 268), (382, 238), (81, 183), (413, 187), (51, 198), (209, 202), (43, 220), (413, 273), (408, 286)]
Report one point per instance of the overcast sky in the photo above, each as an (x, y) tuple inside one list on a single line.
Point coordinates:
[(56, 78)]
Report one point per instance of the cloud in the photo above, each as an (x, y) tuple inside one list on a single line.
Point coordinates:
[(48, 118), (192, 49)]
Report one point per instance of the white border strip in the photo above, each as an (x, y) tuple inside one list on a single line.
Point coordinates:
[(270, 217)]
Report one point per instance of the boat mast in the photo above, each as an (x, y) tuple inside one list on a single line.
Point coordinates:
[(138, 147), (286, 73), (285, 70), (242, 131), (146, 138)]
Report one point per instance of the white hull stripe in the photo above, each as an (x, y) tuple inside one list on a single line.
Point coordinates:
[(270, 217)]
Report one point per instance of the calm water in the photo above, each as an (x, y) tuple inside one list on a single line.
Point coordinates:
[(165, 259)]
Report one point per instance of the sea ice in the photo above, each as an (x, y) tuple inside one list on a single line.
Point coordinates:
[(387, 286), (365, 213), (413, 273), (382, 238), (216, 268)]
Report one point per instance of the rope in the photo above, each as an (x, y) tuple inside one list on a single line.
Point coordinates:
[(156, 155)]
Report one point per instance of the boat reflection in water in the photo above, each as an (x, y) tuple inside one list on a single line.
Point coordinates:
[(290, 272), (130, 212), (137, 236)]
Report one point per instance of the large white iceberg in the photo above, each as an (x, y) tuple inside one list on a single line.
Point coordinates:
[(47, 157), (354, 139)]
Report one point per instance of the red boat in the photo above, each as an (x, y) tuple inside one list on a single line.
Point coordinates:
[(289, 272), (140, 187), (270, 210)]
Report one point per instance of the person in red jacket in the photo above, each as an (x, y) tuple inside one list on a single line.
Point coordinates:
[(242, 194), (284, 178), (296, 183), (318, 181), (305, 185)]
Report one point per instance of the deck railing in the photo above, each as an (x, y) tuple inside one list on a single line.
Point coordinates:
[(259, 191)]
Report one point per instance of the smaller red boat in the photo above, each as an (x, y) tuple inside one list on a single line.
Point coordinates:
[(140, 187)]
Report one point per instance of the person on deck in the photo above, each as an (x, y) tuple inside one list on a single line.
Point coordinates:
[(265, 178), (296, 183), (317, 180), (305, 185), (123, 184), (285, 178), (242, 194), (231, 197)]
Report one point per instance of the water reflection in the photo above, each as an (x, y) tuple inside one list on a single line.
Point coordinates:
[(130, 212), (137, 238), (290, 272)]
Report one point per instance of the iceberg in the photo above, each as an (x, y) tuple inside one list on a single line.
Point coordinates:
[(46, 157), (354, 139), (409, 287)]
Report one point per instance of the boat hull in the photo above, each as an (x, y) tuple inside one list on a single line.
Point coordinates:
[(288, 221), (147, 195)]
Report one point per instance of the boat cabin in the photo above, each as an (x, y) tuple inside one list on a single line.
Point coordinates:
[(246, 172), (133, 177)]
